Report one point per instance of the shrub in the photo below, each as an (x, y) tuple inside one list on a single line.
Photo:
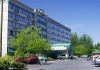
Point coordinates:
[(50, 59), (4, 64), (17, 65), (7, 61)]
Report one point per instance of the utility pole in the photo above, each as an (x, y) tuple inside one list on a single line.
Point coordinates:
[(1, 27)]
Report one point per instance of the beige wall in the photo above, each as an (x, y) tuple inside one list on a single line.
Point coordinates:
[(4, 27)]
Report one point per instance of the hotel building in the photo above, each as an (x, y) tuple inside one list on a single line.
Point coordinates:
[(16, 15)]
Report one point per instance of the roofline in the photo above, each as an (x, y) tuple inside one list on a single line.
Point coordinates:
[(59, 23)]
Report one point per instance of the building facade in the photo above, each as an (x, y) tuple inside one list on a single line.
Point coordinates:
[(17, 15)]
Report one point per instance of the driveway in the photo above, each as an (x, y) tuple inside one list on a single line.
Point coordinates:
[(78, 64)]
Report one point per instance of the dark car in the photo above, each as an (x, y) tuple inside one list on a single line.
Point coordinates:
[(71, 57)]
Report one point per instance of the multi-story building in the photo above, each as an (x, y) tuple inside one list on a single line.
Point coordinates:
[(52, 30), (17, 15)]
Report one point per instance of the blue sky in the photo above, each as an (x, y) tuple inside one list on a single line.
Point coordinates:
[(82, 16)]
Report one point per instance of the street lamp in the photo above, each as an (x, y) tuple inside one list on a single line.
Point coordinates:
[(1, 27)]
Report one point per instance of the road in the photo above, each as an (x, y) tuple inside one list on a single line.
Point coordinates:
[(78, 64)]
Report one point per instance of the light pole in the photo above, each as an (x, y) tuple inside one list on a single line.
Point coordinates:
[(1, 27)]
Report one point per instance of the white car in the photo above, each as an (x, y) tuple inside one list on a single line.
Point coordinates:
[(62, 56), (97, 61), (42, 58), (94, 57)]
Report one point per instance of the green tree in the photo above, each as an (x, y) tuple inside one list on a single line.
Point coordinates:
[(97, 46), (29, 40), (87, 41), (80, 50), (74, 39)]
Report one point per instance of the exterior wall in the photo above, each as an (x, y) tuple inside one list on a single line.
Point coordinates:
[(52, 30), (4, 27), (0, 32), (58, 33), (17, 15), (41, 21), (20, 17)]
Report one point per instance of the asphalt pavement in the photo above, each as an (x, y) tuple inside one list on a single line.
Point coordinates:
[(76, 64)]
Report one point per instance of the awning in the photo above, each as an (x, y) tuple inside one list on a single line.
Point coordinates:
[(10, 50)]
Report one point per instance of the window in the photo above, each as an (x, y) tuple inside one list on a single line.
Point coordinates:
[(17, 17), (30, 15), (18, 25), (20, 18), (10, 5), (24, 26), (13, 15), (25, 12), (30, 22), (11, 24), (20, 10), (14, 33), (10, 14), (41, 18), (11, 32), (25, 20)]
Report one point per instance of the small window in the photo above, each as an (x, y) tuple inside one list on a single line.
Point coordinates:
[(11, 32)]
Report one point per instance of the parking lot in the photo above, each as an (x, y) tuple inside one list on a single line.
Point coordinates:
[(77, 64)]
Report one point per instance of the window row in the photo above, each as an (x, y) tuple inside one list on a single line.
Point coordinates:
[(20, 10), (43, 32), (56, 27), (20, 18), (57, 37), (41, 25), (41, 18), (57, 32), (55, 42), (16, 25)]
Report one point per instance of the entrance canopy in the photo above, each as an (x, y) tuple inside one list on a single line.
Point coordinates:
[(63, 46)]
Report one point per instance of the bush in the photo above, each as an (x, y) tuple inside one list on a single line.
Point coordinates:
[(4, 64), (50, 59), (7, 61), (17, 65)]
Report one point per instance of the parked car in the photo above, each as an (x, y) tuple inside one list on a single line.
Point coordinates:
[(94, 57), (32, 60), (29, 60), (18, 59), (42, 58), (97, 61), (75, 57), (71, 57), (84, 56), (62, 56), (89, 58)]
